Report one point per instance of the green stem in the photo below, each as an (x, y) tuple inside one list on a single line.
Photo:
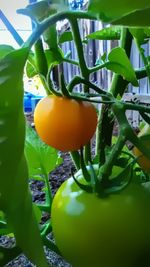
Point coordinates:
[(118, 86), (50, 84), (48, 192), (76, 159), (84, 71), (130, 106), (96, 68), (119, 111), (140, 73), (40, 58), (71, 61), (41, 27), (145, 60), (78, 80), (106, 169), (79, 47)]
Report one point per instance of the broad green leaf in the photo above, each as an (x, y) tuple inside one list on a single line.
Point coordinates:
[(40, 157), (147, 31), (65, 37), (5, 49), (118, 62), (110, 33), (30, 70), (139, 18), (38, 12), (54, 56), (108, 11), (138, 34)]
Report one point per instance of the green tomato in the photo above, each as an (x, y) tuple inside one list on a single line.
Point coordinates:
[(101, 232)]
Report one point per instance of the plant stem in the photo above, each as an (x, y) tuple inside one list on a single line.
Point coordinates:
[(141, 108), (78, 80), (119, 111), (79, 47), (84, 71), (71, 61), (76, 159), (40, 57), (96, 68), (41, 27), (106, 169), (106, 120), (48, 192), (118, 85), (145, 61)]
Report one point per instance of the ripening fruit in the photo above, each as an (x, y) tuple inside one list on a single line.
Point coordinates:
[(63, 123)]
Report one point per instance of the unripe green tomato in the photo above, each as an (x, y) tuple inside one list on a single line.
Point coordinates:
[(90, 231)]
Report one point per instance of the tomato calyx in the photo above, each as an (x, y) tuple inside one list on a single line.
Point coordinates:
[(95, 181)]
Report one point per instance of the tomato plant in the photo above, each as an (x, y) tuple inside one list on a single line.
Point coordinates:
[(64, 123), (92, 231), (143, 161), (100, 216)]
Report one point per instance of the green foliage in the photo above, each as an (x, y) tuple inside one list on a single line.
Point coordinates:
[(141, 34), (122, 13), (5, 49), (109, 33), (139, 18), (41, 158), (119, 63), (16, 202), (65, 37)]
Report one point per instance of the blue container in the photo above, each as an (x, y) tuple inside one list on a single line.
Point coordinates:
[(30, 101), (34, 101), (27, 102)]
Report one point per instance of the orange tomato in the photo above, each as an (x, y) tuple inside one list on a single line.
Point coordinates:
[(63, 123)]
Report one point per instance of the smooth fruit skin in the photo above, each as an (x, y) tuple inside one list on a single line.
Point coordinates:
[(102, 232), (65, 124)]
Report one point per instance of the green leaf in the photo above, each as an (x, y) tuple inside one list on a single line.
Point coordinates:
[(138, 18), (5, 49), (54, 56), (39, 155), (110, 33), (120, 64), (65, 37), (108, 11), (138, 34), (37, 212)]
